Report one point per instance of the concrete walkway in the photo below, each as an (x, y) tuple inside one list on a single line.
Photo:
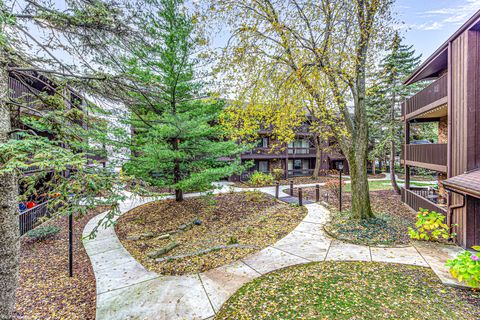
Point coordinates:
[(126, 290)]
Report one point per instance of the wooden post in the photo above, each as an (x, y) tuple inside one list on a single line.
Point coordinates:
[(291, 188), (276, 189), (300, 196), (317, 193)]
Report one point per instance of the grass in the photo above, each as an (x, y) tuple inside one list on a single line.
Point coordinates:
[(373, 186), (386, 185), (205, 232), (350, 290)]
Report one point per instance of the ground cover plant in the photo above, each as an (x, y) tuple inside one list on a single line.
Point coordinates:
[(350, 290), (45, 290), (466, 267), (205, 232), (388, 228)]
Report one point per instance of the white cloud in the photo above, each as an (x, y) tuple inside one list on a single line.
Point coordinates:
[(457, 15)]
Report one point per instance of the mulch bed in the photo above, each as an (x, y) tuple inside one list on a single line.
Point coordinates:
[(210, 231), (45, 290), (389, 228), (351, 290)]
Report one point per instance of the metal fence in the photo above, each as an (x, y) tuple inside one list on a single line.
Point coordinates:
[(30, 218)]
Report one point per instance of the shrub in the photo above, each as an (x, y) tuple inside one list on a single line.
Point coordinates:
[(278, 174), (254, 196), (232, 240), (259, 179), (43, 233), (466, 267), (429, 226), (334, 186)]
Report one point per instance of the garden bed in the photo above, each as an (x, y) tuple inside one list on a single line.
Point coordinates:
[(45, 290), (351, 290), (202, 233), (389, 228)]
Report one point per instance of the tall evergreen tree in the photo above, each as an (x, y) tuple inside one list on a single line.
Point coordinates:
[(386, 97), (177, 141)]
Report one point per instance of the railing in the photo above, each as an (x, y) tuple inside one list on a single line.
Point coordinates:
[(434, 153), (19, 90), (299, 172), (278, 152), (263, 150), (415, 200), (433, 92), (297, 151), (29, 218)]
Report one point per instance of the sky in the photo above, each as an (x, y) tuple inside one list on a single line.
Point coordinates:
[(427, 24)]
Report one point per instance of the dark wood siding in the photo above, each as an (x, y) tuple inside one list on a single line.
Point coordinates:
[(465, 129)]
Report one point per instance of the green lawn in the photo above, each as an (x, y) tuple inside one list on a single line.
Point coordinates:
[(386, 185), (373, 185), (350, 290)]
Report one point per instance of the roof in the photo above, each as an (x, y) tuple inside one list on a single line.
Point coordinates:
[(468, 183), (439, 59)]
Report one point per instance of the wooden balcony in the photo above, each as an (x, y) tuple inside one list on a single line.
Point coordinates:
[(429, 156), (415, 199), (426, 100), (268, 153)]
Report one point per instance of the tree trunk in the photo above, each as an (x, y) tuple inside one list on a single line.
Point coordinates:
[(392, 168), (392, 145), (9, 225), (318, 157), (374, 167), (361, 208), (176, 173)]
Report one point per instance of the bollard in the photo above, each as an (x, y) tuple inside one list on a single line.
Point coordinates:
[(317, 193), (300, 196), (277, 186), (291, 187)]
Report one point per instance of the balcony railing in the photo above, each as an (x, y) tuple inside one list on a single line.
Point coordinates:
[(434, 154), (298, 151), (416, 199), (278, 152), (29, 219), (432, 93), (299, 172)]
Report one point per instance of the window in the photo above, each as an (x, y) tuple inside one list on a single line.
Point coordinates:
[(263, 166), (299, 146), (263, 143)]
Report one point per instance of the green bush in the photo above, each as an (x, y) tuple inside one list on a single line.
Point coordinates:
[(277, 174), (466, 267), (254, 196), (429, 226), (43, 233), (259, 179)]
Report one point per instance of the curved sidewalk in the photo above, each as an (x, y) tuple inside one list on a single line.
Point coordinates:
[(126, 290)]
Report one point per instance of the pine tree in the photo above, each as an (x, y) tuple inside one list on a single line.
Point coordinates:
[(386, 97), (177, 142)]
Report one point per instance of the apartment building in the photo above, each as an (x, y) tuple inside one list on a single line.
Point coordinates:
[(452, 100)]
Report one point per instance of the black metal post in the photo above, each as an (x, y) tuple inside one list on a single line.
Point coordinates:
[(70, 245), (300, 196), (317, 193), (277, 186), (291, 187), (340, 197)]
